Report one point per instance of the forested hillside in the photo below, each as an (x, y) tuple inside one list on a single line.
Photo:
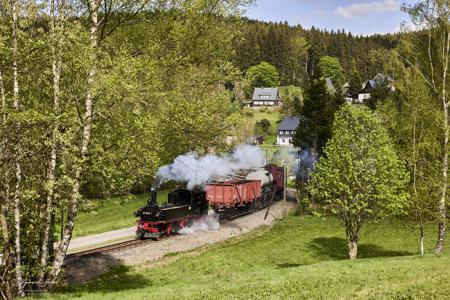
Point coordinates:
[(295, 51)]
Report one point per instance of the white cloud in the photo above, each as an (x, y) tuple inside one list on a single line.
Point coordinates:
[(359, 9)]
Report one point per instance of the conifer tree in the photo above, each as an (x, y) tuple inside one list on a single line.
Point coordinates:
[(317, 115), (355, 80)]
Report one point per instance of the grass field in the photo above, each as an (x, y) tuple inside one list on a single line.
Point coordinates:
[(111, 214), (300, 257)]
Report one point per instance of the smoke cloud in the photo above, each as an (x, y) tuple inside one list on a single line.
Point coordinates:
[(210, 222), (198, 170), (306, 164)]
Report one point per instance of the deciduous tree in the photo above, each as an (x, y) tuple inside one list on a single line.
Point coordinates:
[(360, 176), (428, 51), (264, 75)]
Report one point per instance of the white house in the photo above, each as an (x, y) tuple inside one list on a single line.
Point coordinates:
[(286, 131)]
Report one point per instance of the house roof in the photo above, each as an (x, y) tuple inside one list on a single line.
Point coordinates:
[(265, 94), (330, 85), (289, 123), (345, 88), (377, 80)]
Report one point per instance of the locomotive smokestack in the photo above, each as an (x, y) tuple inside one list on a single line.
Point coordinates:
[(152, 199)]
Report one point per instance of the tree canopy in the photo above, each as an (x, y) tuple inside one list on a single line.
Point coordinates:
[(263, 75), (330, 67)]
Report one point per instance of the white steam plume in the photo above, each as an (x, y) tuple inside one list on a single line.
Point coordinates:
[(198, 170), (204, 224)]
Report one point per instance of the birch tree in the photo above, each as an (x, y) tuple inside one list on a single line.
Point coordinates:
[(76, 90), (18, 150), (57, 36), (429, 54), (415, 127)]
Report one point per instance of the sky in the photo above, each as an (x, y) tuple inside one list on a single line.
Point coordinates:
[(364, 17)]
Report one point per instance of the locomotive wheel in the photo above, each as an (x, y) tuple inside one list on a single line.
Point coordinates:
[(140, 235)]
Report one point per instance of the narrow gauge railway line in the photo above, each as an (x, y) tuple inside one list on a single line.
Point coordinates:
[(129, 244), (117, 247)]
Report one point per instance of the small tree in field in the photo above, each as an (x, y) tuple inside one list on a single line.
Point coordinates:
[(359, 176)]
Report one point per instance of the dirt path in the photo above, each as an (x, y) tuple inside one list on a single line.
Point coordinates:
[(91, 267)]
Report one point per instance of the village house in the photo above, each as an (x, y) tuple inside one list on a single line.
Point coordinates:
[(346, 93), (286, 131), (266, 97), (378, 81)]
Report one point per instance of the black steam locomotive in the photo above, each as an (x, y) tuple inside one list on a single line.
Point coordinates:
[(182, 207)]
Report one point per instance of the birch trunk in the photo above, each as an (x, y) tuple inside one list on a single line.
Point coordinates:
[(442, 201), (439, 248), (87, 121), (4, 196), (17, 154), (57, 37)]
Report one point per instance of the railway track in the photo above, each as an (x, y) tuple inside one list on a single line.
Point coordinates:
[(125, 245)]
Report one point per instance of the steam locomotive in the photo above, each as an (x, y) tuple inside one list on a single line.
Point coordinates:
[(228, 198)]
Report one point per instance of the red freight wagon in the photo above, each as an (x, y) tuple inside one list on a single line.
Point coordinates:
[(278, 175), (232, 193)]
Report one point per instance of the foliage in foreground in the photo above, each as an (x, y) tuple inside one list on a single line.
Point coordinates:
[(91, 108), (301, 257)]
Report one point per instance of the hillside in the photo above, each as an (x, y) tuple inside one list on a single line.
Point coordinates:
[(300, 257), (295, 51)]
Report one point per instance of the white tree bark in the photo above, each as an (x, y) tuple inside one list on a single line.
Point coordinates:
[(4, 195), (439, 248), (57, 27), (17, 154), (87, 121)]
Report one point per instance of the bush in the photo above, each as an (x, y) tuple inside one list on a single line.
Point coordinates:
[(249, 113), (262, 126)]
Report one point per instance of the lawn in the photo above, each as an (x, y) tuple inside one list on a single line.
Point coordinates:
[(300, 257), (111, 214), (273, 118)]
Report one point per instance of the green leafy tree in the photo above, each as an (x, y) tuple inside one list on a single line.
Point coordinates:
[(88, 108), (428, 52), (262, 126), (292, 101), (299, 59), (264, 75), (413, 124), (331, 67), (360, 176)]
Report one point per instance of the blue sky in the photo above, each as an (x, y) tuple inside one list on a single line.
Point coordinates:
[(357, 16)]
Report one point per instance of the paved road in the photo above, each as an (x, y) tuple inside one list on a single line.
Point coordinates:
[(101, 238)]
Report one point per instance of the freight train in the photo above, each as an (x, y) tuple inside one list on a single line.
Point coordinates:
[(228, 198)]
